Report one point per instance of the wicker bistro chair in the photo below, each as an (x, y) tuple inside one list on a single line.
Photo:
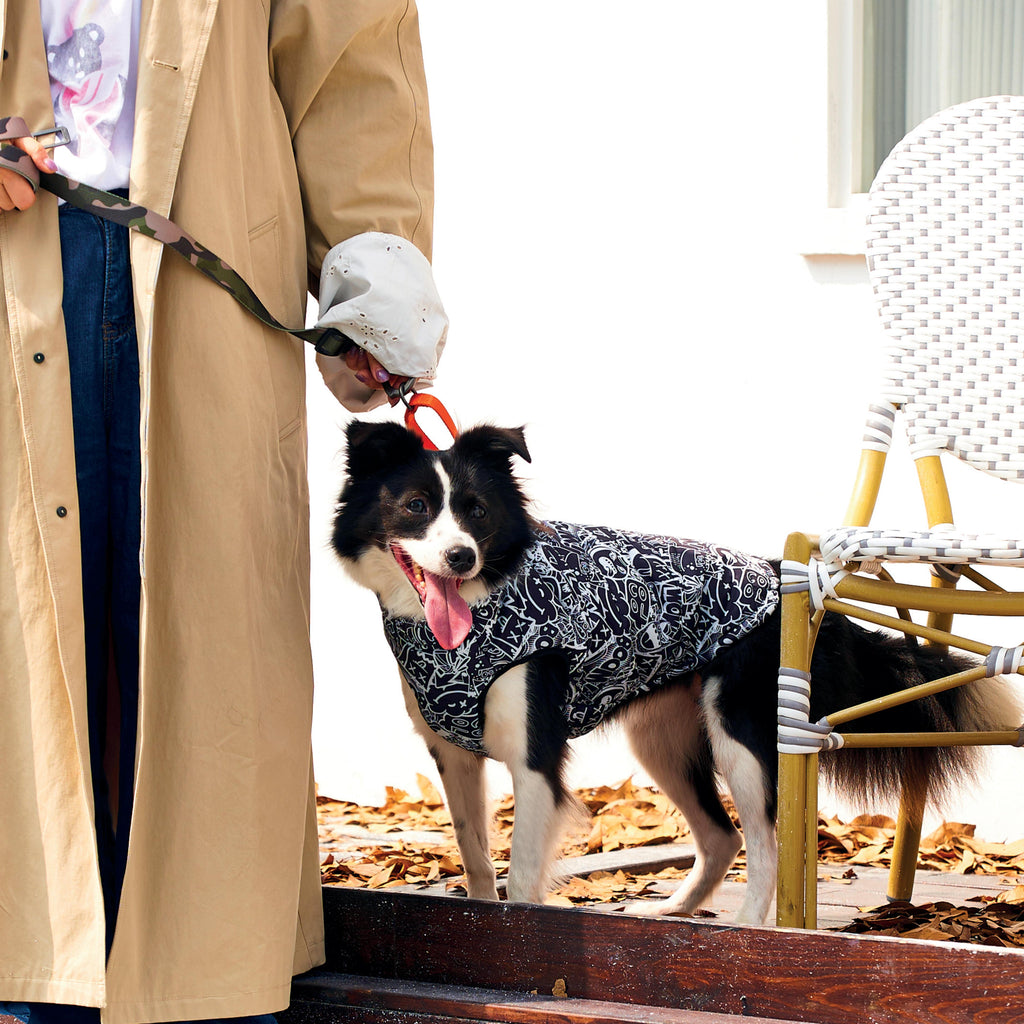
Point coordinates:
[(946, 261)]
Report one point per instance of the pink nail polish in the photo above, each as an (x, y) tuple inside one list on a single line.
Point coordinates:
[(51, 166)]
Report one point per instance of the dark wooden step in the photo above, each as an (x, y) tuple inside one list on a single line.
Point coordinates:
[(328, 997), (647, 965)]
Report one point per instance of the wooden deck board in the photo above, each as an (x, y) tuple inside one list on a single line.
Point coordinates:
[(646, 965), (359, 995)]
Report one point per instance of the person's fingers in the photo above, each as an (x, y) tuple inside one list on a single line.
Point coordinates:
[(17, 193), (35, 149), (367, 370), (377, 372), (355, 358), (356, 361)]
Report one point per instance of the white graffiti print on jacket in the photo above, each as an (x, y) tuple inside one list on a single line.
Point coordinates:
[(629, 612)]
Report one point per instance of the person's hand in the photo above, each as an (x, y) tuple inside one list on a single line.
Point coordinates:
[(368, 371), (15, 192)]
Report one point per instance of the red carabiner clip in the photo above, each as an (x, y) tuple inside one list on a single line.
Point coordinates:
[(419, 400)]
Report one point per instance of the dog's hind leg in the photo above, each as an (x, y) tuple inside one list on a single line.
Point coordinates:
[(752, 789), (524, 728), (462, 775), (668, 738)]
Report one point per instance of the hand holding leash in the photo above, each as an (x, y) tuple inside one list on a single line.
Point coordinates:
[(21, 147), (369, 371)]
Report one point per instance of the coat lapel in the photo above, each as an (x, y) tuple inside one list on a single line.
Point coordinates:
[(172, 46)]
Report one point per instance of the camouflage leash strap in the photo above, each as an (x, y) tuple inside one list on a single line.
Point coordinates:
[(327, 340)]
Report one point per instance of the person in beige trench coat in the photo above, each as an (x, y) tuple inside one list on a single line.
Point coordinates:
[(270, 129)]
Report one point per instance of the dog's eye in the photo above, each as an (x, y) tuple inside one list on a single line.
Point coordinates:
[(417, 506), (477, 511)]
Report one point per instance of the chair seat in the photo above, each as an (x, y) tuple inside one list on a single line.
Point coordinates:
[(943, 545)]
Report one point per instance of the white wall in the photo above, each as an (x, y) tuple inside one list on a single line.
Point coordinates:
[(622, 200)]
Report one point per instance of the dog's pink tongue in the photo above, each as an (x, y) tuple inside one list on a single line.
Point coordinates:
[(448, 615)]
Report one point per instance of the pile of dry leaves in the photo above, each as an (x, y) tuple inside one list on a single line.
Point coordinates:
[(999, 921), (409, 841), (951, 847)]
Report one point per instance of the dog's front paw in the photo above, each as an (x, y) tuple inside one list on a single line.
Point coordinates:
[(519, 891), (482, 891), (679, 904), (652, 908)]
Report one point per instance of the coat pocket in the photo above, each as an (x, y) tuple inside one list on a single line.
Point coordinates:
[(285, 359)]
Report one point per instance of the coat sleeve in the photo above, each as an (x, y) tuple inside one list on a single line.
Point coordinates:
[(350, 77)]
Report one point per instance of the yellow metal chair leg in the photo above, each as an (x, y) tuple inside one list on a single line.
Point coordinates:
[(905, 847), (791, 903), (907, 843), (791, 892), (811, 842)]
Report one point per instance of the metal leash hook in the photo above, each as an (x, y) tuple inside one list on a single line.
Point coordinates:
[(413, 400), (61, 136)]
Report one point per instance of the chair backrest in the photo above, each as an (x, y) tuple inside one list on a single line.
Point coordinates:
[(946, 259)]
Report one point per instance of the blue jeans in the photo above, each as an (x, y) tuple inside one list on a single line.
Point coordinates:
[(99, 317)]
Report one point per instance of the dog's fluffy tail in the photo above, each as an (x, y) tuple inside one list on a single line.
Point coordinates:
[(852, 665)]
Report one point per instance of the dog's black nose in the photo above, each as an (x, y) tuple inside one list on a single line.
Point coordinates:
[(460, 558)]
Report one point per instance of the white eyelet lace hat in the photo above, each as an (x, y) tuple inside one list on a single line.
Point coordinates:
[(378, 289)]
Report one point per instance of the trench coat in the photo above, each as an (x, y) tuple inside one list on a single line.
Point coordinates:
[(271, 130)]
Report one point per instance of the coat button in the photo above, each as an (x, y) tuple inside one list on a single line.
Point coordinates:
[(39, 357), (61, 511)]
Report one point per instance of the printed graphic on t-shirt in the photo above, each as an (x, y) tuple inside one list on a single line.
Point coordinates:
[(77, 57), (88, 52)]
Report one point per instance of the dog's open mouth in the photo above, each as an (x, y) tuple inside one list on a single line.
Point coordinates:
[(448, 615)]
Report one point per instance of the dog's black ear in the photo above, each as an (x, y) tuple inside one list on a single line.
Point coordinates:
[(496, 444), (374, 447)]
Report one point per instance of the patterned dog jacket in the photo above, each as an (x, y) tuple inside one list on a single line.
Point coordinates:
[(629, 612)]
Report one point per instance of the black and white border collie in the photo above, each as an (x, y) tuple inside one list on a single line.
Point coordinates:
[(446, 542)]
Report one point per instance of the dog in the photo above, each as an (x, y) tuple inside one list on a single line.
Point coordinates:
[(494, 620)]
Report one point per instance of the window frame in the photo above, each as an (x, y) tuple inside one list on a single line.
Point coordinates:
[(838, 229)]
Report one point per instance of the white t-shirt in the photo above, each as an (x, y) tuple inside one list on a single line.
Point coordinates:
[(91, 49)]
